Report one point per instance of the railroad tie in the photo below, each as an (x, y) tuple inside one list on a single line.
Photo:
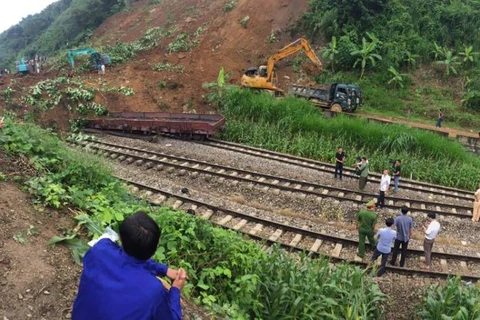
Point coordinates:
[(310, 188), (469, 211), (240, 225), (443, 264), (177, 204), (336, 251), (298, 186), (407, 204), (139, 162), (325, 191), (359, 198), (275, 182), (196, 166), (225, 220), (114, 155), (159, 199), (478, 254), (423, 207), (221, 171), (147, 193), (316, 245), (286, 184), (463, 266), (261, 179), (234, 174), (341, 194), (129, 160), (248, 176), (296, 240), (121, 158), (208, 168), (258, 227), (149, 165), (208, 214), (194, 207), (276, 235), (454, 210), (185, 164)]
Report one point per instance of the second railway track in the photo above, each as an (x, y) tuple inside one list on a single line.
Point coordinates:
[(338, 249), (269, 182)]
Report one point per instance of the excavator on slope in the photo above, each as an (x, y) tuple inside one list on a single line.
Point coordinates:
[(96, 58), (338, 97)]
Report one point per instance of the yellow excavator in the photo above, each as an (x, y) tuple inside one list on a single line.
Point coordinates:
[(338, 97), (264, 76)]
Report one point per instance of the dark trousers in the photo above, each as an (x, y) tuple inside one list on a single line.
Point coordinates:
[(375, 256), (362, 182), (396, 249), (381, 199), (427, 247), (339, 170)]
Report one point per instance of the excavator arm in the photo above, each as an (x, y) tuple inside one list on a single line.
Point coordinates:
[(78, 52), (288, 50)]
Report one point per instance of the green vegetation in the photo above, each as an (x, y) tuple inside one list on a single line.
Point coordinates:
[(390, 43), (454, 301), (182, 43), (295, 126), (232, 276), (244, 21), (63, 24), (230, 5), (166, 66)]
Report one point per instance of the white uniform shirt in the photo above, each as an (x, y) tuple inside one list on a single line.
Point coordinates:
[(385, 182), (432, 230)]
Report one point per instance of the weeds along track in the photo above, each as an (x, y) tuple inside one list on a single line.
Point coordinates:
[(329, 168), (297, 239), (269, 183)]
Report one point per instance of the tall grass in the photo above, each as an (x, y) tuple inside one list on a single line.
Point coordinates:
[(295, 126)]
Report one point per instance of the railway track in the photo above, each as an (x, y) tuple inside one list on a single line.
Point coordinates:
[(406, 184), (337, 249), (270, 183)]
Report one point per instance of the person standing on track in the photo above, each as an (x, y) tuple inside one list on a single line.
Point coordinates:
[(396, 175), (439, 119), (366, 220), (339, 159), (404, 225), (384, 186), (476, 205), (385, 238), (362, 168), (431, 232)]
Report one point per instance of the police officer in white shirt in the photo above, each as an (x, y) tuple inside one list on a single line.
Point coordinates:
[(384, 186)]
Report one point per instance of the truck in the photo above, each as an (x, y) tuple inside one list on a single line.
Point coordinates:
[(338, 97)]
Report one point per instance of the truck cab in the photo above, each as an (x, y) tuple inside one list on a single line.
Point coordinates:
[(346, 95)]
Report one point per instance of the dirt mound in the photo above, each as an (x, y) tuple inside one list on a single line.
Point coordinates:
[(223, 42)]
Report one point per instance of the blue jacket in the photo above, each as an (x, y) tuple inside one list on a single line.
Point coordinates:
[(116, 286)]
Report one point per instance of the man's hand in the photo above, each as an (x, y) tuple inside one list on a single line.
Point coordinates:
[(180, 279), (172, 274)]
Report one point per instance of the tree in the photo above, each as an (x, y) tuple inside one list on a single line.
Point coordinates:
[(366, 54), (410, 59), (331, 51), (468, 55), (449, 62), (397, 77)]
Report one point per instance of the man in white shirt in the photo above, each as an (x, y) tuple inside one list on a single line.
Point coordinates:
[(476, 205), (384, 186), (431, 232)]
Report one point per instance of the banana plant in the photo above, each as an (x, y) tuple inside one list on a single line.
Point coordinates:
[(331, 51), (468, 55), (449, 62), (366, 54), (397, 77)]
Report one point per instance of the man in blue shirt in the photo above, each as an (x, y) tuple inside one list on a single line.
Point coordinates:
[(120, 282), (404, 225), (384, 246)]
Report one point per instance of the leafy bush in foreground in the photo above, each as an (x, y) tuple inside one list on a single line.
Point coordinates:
[(453, 301)]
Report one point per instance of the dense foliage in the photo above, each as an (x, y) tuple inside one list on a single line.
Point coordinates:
[(390, 39), (63, 24), (234, 277), (453, 301), (295, 126)]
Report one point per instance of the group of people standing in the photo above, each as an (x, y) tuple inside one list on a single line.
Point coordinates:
[(362, 170), (400, 237)]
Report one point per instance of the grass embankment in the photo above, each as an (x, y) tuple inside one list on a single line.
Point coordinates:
[(295, 126), (228, 274)]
